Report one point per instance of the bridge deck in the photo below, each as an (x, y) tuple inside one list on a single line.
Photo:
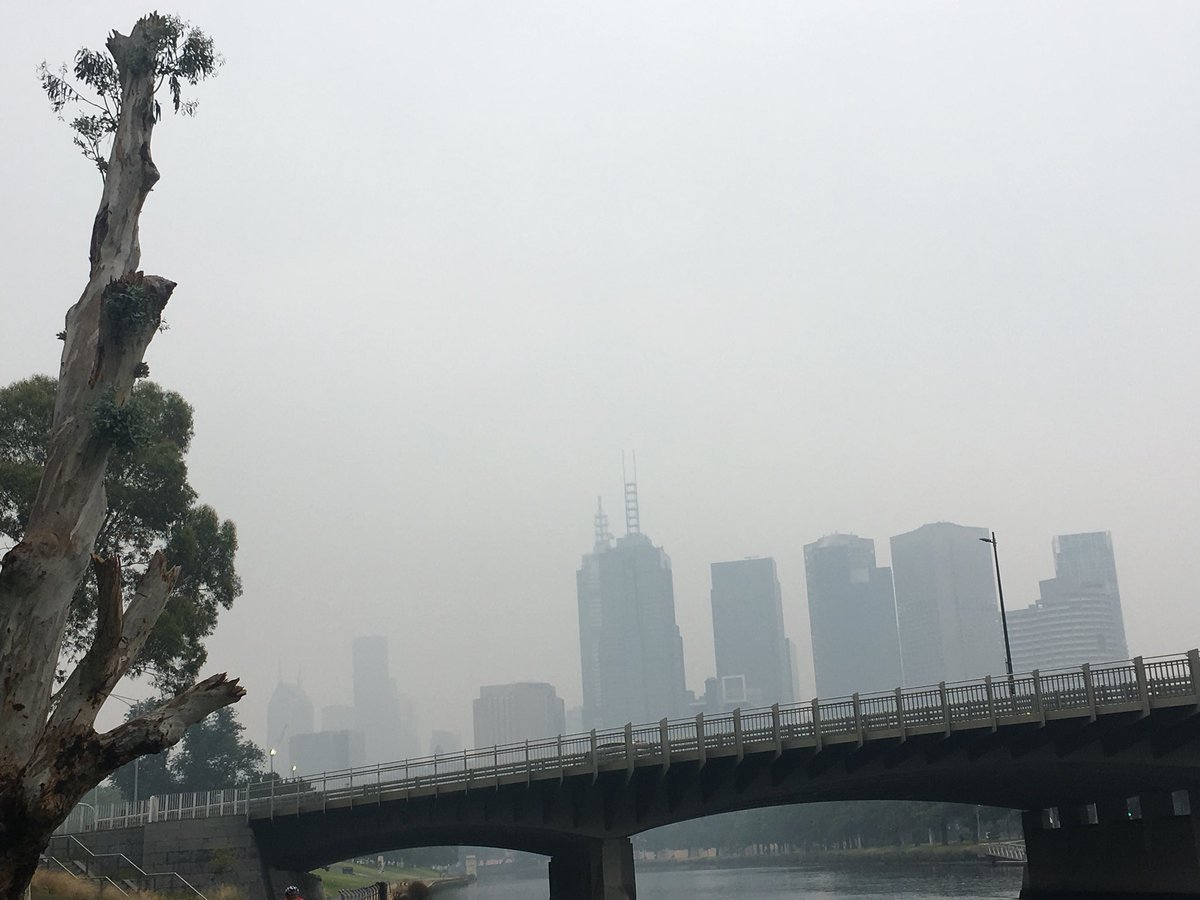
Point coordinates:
[(1086, 693)]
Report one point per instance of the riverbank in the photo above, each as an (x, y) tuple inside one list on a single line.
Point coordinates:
[(923, 856)]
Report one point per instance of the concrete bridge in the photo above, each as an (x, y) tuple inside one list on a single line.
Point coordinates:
[(1103, 760)]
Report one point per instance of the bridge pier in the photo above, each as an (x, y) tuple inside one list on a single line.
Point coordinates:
[(1113, 849), (593, 870)]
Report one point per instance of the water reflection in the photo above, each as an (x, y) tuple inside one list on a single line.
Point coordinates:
[(934, 883)]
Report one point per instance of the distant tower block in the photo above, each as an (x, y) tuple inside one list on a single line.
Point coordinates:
[(632, 525)]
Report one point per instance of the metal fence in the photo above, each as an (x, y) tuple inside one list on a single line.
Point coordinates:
[(1133, 685)]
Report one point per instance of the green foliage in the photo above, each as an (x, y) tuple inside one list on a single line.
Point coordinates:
[(182, 54), (121, 428), (130, 309), (151, 506), (26, 413), (213, 755), (865, 823)]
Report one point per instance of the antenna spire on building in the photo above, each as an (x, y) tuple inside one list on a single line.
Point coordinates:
[(603, 536), (632, 525)]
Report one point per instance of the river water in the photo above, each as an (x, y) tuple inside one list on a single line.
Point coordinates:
[(941, 883)]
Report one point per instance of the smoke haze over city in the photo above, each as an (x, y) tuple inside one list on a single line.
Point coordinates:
[(826, 267)]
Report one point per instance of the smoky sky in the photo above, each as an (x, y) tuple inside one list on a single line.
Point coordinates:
[(826, 267)]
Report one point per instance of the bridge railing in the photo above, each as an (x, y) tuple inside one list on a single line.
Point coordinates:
[(1111, 687)]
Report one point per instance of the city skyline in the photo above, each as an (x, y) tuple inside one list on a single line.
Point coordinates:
[(826, 272), (1084, 565)]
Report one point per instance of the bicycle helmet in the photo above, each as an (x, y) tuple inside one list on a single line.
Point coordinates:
[(291, 891)]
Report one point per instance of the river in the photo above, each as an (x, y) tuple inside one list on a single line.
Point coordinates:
[(940, 883)]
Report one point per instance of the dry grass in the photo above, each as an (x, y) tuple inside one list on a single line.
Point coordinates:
[(59, 885)]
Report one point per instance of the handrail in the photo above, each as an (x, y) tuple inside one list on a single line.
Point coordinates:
[(67, 869), (142, 872), (1123, 685)]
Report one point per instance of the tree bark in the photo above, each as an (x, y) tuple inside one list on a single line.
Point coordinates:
[(50, 753)]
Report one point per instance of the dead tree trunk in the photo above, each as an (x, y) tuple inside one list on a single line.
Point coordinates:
[(50, 752)]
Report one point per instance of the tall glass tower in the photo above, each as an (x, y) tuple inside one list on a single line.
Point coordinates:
[(631, 652), (852, 616)]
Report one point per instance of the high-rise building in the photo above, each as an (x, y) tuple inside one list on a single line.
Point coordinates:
[(1078, 617), (381, 713), (630, 647), (324, 751), (946, 606), (507, 713), (852, 616), (751, 647), (338, 717), (289, 713)]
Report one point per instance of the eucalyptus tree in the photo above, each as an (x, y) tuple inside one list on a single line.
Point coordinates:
[(50, 751)]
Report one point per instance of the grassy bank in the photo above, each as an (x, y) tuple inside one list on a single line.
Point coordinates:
[(336, 880), (920, 855)]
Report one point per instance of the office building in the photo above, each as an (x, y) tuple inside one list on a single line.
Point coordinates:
[(754, 666), (630, 647), (508, 713), (946, 604), (324, 751), (1077, 617), (338, 717), (852, 617), (381, 713), (289, 713)]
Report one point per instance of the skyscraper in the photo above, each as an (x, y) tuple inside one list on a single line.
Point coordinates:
[(852, 615), (630, 648), (946, 607), (380, 712), (1078, 617), (747, 614), (507, 713), (289, 713)]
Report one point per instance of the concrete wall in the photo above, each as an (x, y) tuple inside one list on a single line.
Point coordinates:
[(205, 852)]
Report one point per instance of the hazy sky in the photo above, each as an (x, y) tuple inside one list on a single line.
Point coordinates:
[(827, 267)]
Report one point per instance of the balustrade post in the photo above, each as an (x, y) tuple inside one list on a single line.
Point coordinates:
[(496, 764), (816, 722), (1193, 659), (900, 723), (776, 730), (858, 724), (664, 743), (737, 732), (991, 701), (1037, 696), (595, 757), (560, 759), (1089, 691), (272, 803), (1139, 671), (945, 707), (528, 768), (701, 750)]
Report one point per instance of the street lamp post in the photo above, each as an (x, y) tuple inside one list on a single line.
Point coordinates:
[(272, 755), (1003, 616)]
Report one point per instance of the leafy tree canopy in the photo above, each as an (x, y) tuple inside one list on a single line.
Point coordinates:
[(151, 506), (212, 756), (184, 54)]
